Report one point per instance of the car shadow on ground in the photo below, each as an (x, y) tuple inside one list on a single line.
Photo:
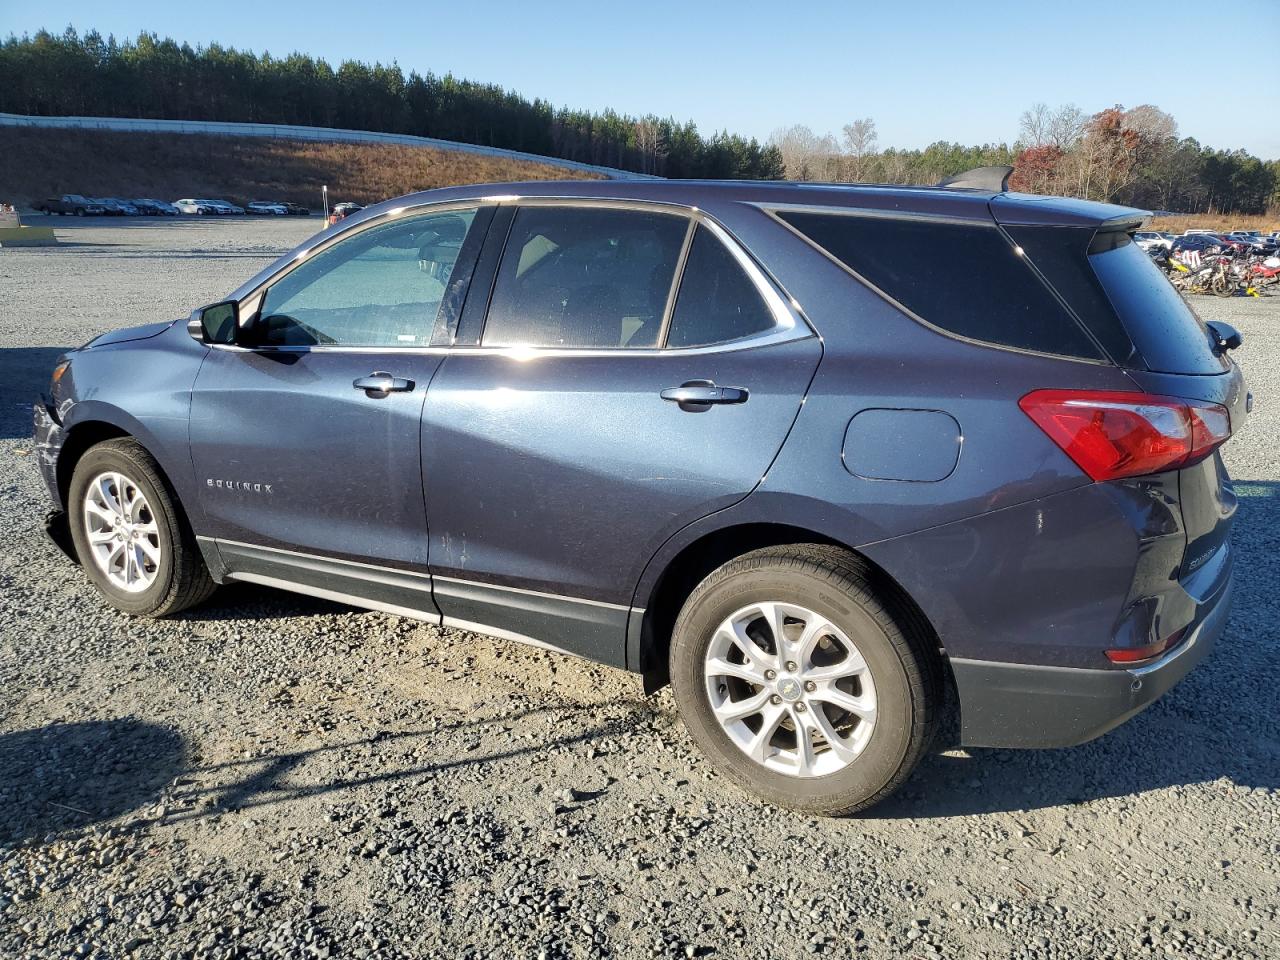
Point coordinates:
[(280, 777), (65, 777), (1218, 726), (71, 775)]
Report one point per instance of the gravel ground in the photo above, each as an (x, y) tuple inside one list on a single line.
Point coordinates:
[(274, 776)]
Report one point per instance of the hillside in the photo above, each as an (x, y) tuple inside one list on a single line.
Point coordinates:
[(37, 163)]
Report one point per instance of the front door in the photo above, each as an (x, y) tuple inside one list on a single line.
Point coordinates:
[(607, 405), (305, 438)]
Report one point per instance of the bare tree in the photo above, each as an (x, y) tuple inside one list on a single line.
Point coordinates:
[(1033, 125), (649, 144), (1066, 126), (860, 143), (805, 155), (1151, 123)]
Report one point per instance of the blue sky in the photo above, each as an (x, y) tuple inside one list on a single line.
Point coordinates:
[(923, 70)]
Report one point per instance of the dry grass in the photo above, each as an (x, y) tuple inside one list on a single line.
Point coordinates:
[(1224, 223), (36, 163)]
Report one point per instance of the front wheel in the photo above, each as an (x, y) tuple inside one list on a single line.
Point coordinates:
[(799, 683), (130, 534)]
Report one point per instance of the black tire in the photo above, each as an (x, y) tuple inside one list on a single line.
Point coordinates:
[(181, 580), (836, 585)]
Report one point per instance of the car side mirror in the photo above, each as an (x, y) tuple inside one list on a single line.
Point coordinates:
[(216, 323), (1225, 336)]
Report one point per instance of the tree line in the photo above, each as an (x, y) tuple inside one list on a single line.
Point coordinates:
[(153, 78), (1130, 156)]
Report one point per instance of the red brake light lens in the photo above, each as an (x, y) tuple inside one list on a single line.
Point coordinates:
[(1111, 434)]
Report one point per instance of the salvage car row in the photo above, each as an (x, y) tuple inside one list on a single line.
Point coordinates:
[(75, 204)]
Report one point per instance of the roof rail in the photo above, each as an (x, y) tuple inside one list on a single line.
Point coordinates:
[(995, 179)]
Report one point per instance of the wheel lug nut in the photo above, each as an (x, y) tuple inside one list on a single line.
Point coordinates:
[(791, 667), (810, 686), (775, 699), (800, 706), (771, 674)]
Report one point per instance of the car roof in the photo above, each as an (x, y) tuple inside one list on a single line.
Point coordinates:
[(973, 204)]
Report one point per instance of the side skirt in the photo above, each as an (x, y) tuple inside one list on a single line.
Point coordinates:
[(583, 628)]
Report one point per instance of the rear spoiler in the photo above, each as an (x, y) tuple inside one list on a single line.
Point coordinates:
[(991, 179)]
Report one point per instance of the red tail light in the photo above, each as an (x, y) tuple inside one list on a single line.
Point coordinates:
[(1110, 434), (1149, 652)]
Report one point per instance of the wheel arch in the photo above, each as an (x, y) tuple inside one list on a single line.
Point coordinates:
[(649, 632), (78, 441)]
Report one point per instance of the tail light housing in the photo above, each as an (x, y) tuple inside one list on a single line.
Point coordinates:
[(1113, 434), (1135, 655)]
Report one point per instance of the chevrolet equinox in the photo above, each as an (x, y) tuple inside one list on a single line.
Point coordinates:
[(834, 461)]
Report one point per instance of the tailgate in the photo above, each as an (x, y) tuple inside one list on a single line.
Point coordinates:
[(1204, 490)]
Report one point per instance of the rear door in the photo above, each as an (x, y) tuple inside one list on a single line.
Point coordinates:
[(636, 371)]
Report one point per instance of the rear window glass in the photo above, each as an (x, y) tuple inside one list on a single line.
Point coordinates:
[(1167, 332), (965, 278)]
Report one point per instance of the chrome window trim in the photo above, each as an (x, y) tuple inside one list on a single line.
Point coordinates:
[(789, 322)]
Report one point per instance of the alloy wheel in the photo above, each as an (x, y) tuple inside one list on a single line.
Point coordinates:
[(122, 532), (790, 689)]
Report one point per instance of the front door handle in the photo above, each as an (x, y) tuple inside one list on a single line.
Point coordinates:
[(379, 383), (695, 396)]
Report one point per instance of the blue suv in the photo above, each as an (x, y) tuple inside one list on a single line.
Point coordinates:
[(836, 462)]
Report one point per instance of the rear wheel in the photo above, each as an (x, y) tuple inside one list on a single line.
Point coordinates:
[(130, 534), (800, 684)]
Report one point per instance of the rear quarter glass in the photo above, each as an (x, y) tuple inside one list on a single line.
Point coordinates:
[(968, 279)]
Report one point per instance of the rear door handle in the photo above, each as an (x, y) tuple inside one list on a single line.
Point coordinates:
[(694, 396), (379, 382)]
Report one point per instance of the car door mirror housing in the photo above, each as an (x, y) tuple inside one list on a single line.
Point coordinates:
[(216, 323), (1225, 336)]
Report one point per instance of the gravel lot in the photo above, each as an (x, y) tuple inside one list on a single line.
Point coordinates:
[(274, 776)]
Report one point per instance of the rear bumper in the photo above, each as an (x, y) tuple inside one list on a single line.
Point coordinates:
[(1023, 705)]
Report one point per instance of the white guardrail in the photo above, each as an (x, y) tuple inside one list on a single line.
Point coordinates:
[(290, 132)]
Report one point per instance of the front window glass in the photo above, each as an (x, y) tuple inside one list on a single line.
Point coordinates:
[(584, 277), (380, 288)]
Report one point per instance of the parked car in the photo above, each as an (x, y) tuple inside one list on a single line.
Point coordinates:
[(1205, 243), (268, 207), (711, 433), (70, 204), (1254, 241), (155, 208), (115, 207), (223, 208), (341, 211), (297, 209), (189, 206), (1147, 240)]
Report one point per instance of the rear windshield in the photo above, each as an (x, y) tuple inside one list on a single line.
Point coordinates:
[(966, 278), (1164, 328)]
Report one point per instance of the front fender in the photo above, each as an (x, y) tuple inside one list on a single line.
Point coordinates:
[(142, 388)]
